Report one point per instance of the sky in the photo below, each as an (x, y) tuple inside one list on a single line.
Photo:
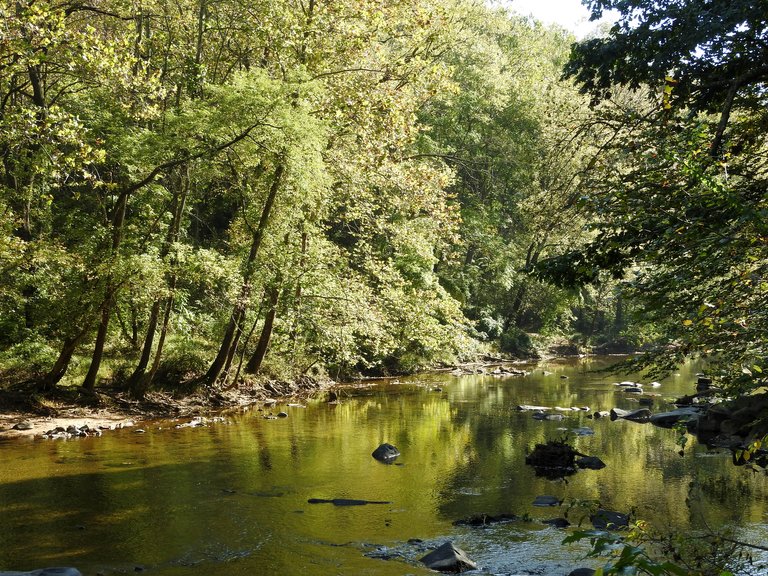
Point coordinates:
[(569, 14)]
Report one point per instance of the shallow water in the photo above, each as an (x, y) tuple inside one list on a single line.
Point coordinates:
[(231, 498)]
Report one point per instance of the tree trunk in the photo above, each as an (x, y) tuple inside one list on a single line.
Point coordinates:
[(618, 319), (238, 314), (266, 333), (143, 384), (109, 297), (137, 384), (146, 351), (56, 373)]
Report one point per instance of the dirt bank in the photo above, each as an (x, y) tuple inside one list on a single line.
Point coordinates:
[(27, 414)]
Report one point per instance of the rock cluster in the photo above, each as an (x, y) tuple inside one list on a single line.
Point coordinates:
[(73, 431)]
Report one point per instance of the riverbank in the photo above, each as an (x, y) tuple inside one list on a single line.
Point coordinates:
[(27, 414)]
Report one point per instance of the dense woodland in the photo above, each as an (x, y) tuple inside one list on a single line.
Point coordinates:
[(212, 189)]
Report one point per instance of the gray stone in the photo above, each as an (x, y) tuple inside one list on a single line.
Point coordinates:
[(385, 453), (23, 426), (669, 419), (641, 415), (633, 390), (582, 572), (448, 558), (528, 408), (583, 431)]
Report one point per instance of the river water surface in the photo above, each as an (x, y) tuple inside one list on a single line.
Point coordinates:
[(231, 498)]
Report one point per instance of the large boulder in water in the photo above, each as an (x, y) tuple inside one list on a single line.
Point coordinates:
[(669, 419), (448, 558), (641, 415), (386, 453), (609, 520)]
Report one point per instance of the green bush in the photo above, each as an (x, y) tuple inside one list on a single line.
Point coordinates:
[(516, 341)]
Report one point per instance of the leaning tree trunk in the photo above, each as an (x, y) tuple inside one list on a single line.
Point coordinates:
[(254, 363), (138, 383), (56, 373), (231, 334)]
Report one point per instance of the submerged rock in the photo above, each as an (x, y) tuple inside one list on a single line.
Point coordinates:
[(46, 572), (582, 572), (546, 416), (485, 520), (546, 501), (345, 501), (448, 558), (385, 453)]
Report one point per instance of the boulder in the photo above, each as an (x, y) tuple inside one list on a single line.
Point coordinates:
[(609, 520), (448, 558), (601, 414), (641, 415), (557, 522), (553, 454), (386, 453), (23, 426), (633, 390), (669, 419), (582, 572)]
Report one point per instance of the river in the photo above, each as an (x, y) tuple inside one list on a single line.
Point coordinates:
[(231, 498)]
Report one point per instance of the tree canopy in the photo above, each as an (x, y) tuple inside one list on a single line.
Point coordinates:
[(679, 192)]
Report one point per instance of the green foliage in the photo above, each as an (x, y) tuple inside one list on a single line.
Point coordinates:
[(515, 341), (628, 553), (677, 194), (343, 187)]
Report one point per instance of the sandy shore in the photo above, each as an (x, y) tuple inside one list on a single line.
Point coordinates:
[(39, 425)]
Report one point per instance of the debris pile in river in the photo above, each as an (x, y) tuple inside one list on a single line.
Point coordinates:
[(555, 459)]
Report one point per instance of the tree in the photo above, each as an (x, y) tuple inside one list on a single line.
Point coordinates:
[(679, 192)]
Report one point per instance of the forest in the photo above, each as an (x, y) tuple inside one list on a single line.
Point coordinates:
[(211, 191)]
